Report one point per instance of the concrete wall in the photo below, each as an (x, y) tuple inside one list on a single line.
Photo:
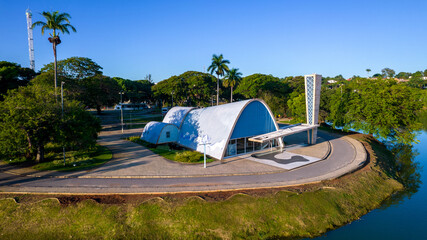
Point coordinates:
[(173, 134)]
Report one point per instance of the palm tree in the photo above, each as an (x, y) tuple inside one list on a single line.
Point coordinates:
[(232, 78), (219, 66), (368, 70), (56, 22)]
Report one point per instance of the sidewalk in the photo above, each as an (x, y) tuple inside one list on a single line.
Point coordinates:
[(346, 156), (131, 160)]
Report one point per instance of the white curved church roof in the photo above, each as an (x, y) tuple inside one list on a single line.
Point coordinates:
[(217, 123), (176, 115)]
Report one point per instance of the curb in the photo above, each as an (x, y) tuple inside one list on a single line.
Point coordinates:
[(140, 177), (328, 152), (359, 158)]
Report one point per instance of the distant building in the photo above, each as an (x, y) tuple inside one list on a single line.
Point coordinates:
[(131, 106), (235, 128), (399, 80), (227, 128)]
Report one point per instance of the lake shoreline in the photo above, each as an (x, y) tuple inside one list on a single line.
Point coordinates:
[(298, 212)]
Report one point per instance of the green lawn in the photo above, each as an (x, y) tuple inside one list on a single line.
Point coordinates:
[(127, 119), (289, 121), (297, 212), (76, 160)]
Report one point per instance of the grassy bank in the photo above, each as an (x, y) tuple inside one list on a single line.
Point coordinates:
[(74, 160), (295, 212), (77, 160)]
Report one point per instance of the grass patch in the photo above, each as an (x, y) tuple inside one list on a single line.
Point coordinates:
[(285, 122), (297, 212), (76, 160), (135, 125), (127, 119), (169, 153), (289, 121)]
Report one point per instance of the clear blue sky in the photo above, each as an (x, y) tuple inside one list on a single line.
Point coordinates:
[(130, 39)]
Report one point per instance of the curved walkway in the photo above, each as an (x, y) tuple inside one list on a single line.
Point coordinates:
[(135, 169)]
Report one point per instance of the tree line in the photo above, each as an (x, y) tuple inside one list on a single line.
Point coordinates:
[(84, 82), (31, 116)]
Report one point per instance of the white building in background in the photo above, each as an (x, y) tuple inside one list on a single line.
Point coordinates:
[(228, 128), (235, 128)]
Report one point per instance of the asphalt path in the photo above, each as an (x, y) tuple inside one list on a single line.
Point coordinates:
[(342, 154)]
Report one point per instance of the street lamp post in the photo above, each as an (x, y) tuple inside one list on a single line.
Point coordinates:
[(121, 108), (62, 104), (172, 97), (204, 140)]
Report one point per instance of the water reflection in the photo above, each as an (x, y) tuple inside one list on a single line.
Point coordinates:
[(400, 162), (406, 170), (404, 215)]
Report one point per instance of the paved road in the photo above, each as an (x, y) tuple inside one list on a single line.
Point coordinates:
[(346, 155)]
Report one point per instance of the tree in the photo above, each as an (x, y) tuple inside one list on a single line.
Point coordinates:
[(368, 70), (296, 107), (403, 75), (232, 78), (388, 72), (416, 80), (30, 118), (190, 88), (219, 66), (72, 88), (200, 87), (296, 83), (74, 68), (100, 91), (417, 74), (382, 108), (84, 82), (267, 87), (339, 78), (148, 78), (12, 75), (79, 129), (56, 22), (325, 102), (135, 91)]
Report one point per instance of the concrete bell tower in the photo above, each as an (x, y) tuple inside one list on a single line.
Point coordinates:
[(313, 84)]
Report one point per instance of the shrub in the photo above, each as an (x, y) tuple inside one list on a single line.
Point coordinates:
[(188, 156), (134, 138)]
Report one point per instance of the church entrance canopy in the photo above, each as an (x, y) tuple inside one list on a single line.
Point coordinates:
[(282, 132)]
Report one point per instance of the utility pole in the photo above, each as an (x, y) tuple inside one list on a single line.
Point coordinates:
[(172, 98), (121, 107), (62, 103)]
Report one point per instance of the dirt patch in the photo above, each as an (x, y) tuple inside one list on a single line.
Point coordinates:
[(175, 197)]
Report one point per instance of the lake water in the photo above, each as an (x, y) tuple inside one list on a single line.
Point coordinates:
[(404, 219)]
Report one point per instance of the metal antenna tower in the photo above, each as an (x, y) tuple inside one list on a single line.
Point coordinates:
[(30, 38)]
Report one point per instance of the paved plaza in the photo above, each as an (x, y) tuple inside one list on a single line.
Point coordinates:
[(134, 168)]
